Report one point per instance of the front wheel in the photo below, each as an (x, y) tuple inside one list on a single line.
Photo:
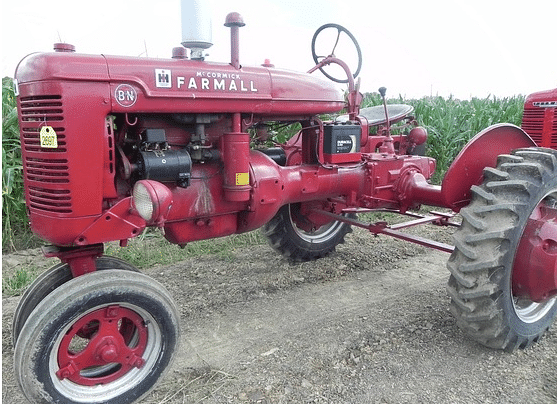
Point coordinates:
[(299, 239), (50, 280), (105, 337), (507, 241)]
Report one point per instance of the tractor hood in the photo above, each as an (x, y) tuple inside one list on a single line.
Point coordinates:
[(177, 85)]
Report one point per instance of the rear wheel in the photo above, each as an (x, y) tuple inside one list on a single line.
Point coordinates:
[(495, 296), (105, 337), (293, 235)]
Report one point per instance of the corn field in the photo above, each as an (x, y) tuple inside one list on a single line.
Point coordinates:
[(450, 123), (15, 230)]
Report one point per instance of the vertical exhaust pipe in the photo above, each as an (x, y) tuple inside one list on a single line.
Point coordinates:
[(234, 21)]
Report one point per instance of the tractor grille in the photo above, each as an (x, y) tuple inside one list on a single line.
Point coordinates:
[(533, 122), (554, 130), (46, 170)]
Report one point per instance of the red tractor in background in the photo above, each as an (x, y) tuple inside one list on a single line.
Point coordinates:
[(112, 145), (540, 118)]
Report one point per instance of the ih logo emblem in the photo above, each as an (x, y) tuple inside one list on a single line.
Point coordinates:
[(163, 78)]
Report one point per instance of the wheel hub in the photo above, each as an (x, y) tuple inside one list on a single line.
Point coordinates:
[(102, 346), (535, 268), (108, 352)]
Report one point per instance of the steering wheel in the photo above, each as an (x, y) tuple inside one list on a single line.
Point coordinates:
[(317, 58)]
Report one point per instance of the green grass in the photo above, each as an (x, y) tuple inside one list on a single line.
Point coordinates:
[(151, 249), (15, 283)]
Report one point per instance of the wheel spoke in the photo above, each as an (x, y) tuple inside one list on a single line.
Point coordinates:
[(102, 346), (336, 43)]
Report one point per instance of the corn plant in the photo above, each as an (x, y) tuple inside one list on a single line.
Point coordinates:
[(451, 123), (14, 215)]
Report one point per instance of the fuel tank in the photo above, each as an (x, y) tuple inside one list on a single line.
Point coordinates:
[(182, 85)]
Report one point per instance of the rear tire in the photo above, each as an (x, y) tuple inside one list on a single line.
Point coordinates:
[(482, 263), (104, 337), (299, 245)]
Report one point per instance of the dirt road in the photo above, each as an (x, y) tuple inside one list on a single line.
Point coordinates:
[(369, 324)]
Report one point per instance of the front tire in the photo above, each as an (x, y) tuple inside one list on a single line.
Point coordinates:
[(50, 280), (289, 239), (105, 337), (484, 302)]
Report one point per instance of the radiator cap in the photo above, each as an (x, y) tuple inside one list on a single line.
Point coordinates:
[(63, 47)]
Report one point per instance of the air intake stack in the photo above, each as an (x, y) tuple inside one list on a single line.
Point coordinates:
[(196, 27)]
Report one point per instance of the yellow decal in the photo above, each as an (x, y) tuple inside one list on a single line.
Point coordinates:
[(48, 137), (242, 178)]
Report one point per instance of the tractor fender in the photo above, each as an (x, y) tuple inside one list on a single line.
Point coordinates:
[(480, 152)]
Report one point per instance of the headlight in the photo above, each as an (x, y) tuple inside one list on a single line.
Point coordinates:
[(152, 200), (142, 201)]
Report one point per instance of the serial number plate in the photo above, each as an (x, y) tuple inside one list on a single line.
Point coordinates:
[(48, 137)]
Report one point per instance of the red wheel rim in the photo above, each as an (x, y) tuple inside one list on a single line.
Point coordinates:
[(102, 346), (535, 267)]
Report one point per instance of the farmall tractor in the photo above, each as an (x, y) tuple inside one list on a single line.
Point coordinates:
[(113, 145)]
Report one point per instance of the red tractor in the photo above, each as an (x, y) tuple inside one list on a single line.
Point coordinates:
[(112, 145)]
